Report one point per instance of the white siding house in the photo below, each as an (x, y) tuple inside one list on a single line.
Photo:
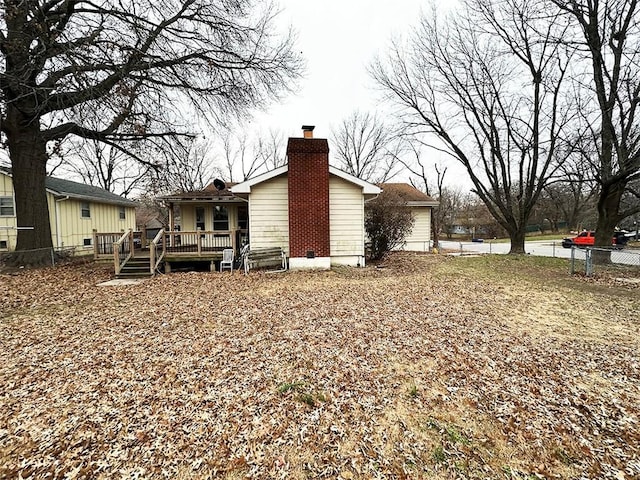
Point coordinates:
[(75, 210)]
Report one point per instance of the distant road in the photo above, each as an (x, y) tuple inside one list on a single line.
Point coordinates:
[(540, 248)]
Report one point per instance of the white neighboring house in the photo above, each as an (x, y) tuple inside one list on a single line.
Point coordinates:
[(75, 211), (421, 206)]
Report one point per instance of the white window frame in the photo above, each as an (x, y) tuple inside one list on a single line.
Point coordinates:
[(87, 244), (13, 205), (82, 209), (122, 213)]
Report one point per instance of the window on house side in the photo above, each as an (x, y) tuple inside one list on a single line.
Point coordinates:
[(85, 210), (200, 218), (3, 245), (123, 214), (220, 218), (6, 207), (87, 242), (243, 217)]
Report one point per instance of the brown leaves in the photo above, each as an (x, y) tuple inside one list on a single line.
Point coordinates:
[(415, 370)]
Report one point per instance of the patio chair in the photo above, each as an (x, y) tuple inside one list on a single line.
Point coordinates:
[(227, 259)]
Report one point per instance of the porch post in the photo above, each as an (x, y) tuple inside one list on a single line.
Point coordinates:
[(233, 240), (171, 222), (199, 241)]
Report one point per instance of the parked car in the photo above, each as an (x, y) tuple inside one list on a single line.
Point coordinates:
[(587, 238)]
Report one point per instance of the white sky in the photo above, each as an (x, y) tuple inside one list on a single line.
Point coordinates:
[(338, 39)]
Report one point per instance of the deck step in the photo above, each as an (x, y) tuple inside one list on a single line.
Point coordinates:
[(135, 268)]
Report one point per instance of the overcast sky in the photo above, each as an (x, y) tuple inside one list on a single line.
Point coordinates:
[(338, 39)]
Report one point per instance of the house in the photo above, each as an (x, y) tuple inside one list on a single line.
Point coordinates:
[(421, 205), (313, 211), (75, 211)]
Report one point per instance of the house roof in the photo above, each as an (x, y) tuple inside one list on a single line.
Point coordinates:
[(64, 188), (245, 187), (210, 192), (409, 194)]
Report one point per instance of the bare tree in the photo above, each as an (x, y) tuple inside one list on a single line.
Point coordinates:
[(187, 167), (488, 85), (102, 165), (365, 147), (136, 66), (244, 157), (608, 32), (421, 180)]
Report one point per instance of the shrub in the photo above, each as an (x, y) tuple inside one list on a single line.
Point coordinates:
[(387, 222)]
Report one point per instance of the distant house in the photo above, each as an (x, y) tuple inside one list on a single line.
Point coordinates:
[(421, 206), (75, 210)]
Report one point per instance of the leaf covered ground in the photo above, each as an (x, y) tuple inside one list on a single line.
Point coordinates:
[(431, 367)]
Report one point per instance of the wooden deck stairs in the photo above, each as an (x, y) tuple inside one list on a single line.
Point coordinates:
[(137, 267)]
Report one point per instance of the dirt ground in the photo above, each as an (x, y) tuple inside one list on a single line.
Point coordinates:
[(430, 367)]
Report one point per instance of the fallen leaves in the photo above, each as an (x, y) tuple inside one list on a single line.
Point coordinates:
[(402, 372)]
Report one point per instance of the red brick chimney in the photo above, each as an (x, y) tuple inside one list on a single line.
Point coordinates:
[(308, 182)]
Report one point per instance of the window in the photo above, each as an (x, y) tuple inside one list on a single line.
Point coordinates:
[(6, 207), (3, 245), (200, 218), (220, 218), (122, 213), (85, 210), (87, 242), (243, 217)]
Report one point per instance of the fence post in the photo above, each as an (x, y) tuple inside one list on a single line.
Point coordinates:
[(554, 249), (199, 241), (572, 263), (588, 262), (95, 244)]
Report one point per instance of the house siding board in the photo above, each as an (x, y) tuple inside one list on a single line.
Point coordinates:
[(104, 218), (346, 204), (269, 214), (418, 239)]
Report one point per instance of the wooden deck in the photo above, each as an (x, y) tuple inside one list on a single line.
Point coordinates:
[(167, 247)]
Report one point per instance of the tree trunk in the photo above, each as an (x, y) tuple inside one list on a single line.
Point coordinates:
[(435, 228), (517, 241), (608, 206), (28, 155)]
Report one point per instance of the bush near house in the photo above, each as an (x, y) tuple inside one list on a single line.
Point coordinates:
[(388, 222)]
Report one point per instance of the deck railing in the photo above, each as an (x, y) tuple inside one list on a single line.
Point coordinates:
[(201, 242), (103, 242), (157, 250), (123, 250)]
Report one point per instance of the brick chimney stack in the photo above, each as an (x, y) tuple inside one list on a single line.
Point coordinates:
[(308, 183)]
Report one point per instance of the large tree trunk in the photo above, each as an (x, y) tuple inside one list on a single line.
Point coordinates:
[(517, 240), (608, 207), (28, 155), (608, 218)]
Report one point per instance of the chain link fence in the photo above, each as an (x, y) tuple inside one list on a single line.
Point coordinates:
[(39, 256), (592, 260)]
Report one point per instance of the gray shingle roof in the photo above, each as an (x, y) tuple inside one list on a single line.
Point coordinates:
[(59, 186)]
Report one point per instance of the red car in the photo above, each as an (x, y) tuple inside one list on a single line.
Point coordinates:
[(588, 239)]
